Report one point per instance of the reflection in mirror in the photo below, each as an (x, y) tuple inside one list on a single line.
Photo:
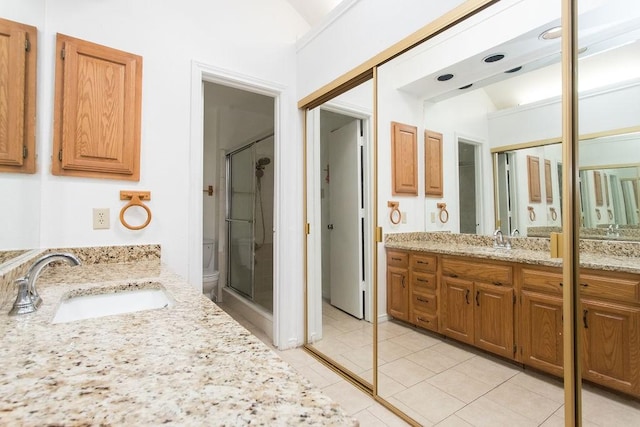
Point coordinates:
[(339, 257), (609, 175), (432, 323), (20, 193)]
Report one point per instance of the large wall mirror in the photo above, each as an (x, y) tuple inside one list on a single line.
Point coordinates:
[(339, 248), (20, 193)]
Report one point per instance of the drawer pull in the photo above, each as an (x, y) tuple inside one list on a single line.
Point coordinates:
[(497, 283), (422, 299), (560, 283), (396, 259), (423, 280), (584, 285), (477, 298), (403, 281), (466, 296), (584, 318), (423, 262), (420, 319), (453, 275)]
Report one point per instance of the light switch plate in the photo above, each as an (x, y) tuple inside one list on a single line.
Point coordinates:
[(101, 220)]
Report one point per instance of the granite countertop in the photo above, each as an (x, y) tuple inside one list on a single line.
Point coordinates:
[(190, 364), (605, 261)]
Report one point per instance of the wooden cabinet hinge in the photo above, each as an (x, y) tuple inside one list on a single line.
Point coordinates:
[(60, 155), (25, 151), (27, 45)]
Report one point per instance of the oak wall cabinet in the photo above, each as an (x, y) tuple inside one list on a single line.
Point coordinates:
[(533, 172), (404, 159), (98, 95), (18, 51), (433, 176)]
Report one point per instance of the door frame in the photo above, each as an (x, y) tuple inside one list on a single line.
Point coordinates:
[(482, 189), (314, 217), (201, 73)]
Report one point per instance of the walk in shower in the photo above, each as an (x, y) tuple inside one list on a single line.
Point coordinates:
[(249, 219)]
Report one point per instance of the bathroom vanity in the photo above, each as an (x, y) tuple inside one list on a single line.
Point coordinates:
[(186, 364), (509, 302)]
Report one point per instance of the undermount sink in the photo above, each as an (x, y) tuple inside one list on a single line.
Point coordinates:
[(110, 302)]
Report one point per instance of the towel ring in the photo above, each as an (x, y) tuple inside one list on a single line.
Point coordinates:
[(395, 215), (443, 216), (532, 213), (135, 199), (598, 214), (610, 214), (554, 214)]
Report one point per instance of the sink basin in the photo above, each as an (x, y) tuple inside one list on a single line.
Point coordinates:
[(111, 302)]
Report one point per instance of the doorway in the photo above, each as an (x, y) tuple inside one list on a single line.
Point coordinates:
[(469, 186)]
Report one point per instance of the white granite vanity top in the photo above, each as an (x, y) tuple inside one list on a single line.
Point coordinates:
[(190, 364)]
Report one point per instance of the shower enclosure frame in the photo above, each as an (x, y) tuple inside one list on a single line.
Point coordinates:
[(257, 167)]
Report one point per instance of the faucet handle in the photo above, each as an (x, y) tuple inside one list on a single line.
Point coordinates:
[(23, 304)]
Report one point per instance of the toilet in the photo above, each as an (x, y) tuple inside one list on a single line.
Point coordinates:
[(209, 271)]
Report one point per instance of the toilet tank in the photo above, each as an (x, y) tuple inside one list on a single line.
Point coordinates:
[(208, 254)]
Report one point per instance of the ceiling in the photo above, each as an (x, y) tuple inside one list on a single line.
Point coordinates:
[(313, 11)]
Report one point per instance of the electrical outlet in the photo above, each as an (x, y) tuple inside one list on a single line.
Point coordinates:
[(403, 217), (101, 219), (433, 217)]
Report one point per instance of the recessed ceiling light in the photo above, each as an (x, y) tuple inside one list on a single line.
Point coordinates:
[(582, 50), (551, 33), (493, 58), (514, 70), (445, 77), (466, 86)]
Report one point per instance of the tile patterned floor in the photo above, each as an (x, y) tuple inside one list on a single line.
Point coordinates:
[(440, 382)]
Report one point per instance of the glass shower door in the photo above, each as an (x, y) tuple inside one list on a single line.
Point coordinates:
[(240, 220)]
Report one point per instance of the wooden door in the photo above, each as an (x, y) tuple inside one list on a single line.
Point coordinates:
[(611, 355), (541, 331), (433, 175), (457, 309), (404, 159), (493, 318), (398, 293)]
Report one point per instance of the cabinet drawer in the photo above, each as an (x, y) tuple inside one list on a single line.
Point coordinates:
[(424, 302), (610, 287), (424, 320), (490, 273), (547, 281), (423, 281), (423, 263), (398, 259)]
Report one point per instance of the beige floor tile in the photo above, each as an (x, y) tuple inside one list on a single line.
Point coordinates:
[(332, 347), (524, 402), (349, 397), (350, 365), (453, 421), (459, 385), (296, 357), (487, 370), (406, 372), (484, 412), (455, 351), (317, 377), (415, 340), (391, 351), (387, 386), (357, 338), (386, 416), (411, 412), (391, 329), (608, 409), (430, 402), (545, 385), (433, 360), (363, 357), (366, 418)]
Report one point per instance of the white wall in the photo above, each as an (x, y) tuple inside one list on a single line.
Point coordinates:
[(361, 32)]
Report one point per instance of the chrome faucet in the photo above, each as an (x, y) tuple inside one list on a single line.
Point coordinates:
[(28, 299), (515, 232), (498, 239)]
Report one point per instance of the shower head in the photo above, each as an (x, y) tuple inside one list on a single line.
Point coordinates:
[(263, 161)]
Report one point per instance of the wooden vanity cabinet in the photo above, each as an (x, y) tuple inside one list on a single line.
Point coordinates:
[(423, 298), (541, 319), (478, 304), (398, 285)]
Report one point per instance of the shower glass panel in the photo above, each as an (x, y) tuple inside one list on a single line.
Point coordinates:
[(240, 220)]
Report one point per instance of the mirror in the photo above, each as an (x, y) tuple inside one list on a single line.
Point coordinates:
[(20, 193), (609, 174), (339, 211)]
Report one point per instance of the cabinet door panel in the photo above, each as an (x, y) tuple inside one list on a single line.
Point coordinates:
[(542, 332), (611, 345), (457, 310), (404, 162), (493, 318), (398, 293)]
